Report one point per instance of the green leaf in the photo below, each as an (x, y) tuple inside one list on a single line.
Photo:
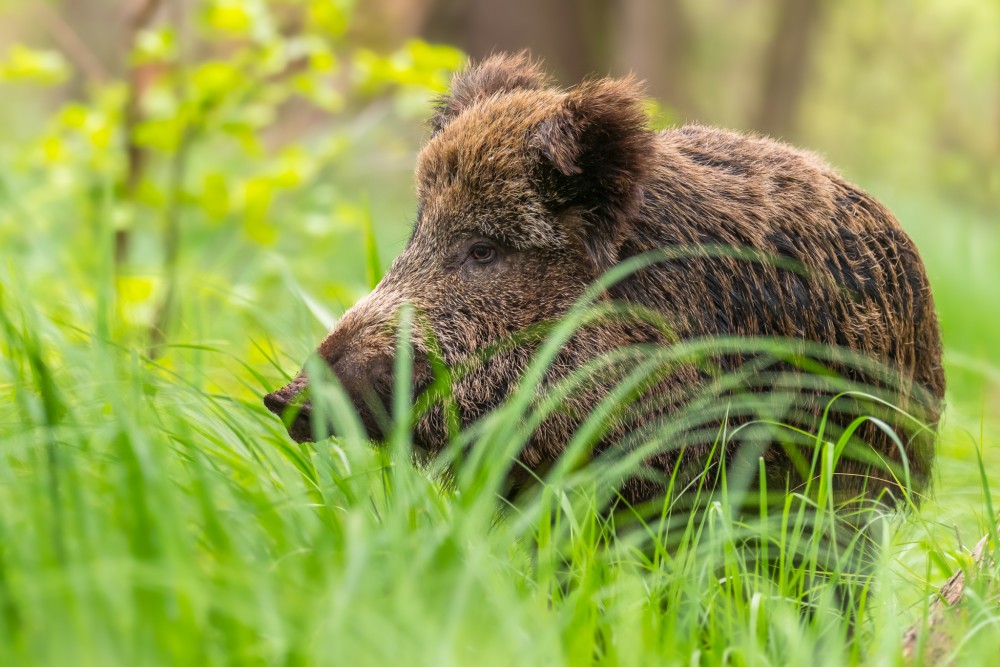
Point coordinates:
[(372, 263), (214, 79), (33, 65), (163, 135), (229, 16), (214, 198), (245, 135), (258, 194), (155, 45), (329, 17)]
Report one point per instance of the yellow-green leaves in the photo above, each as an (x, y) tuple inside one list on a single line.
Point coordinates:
[(214, 196), (223, 134), (329, 17), (155, 45), (25, 64), (162, 134), (258, 193), (417, 64), (286, 172), (372, 262), (232, 16), (243, 18), (79, 136)]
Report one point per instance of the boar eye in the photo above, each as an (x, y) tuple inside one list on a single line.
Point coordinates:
[(482, 253)]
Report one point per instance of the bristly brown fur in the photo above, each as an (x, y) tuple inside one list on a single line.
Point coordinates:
[(565, 184), (499, 74)]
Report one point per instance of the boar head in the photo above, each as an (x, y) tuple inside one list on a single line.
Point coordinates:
[(525, 196)]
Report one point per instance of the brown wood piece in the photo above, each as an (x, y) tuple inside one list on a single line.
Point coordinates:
[(938, 642)]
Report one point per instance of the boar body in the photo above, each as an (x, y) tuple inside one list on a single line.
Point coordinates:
[(528, 194)]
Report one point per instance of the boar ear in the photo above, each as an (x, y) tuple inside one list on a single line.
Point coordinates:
[(497, 74), (596, 152)]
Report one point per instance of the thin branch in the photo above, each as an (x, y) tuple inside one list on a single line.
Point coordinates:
[(175, 197), (74, 47), (139, 79), (171, 242), (928, 635)]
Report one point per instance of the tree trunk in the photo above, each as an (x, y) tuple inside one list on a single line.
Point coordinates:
[(786, 66), (555, 30), (654, 42)]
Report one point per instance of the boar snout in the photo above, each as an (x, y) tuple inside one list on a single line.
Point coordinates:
[(367, 381), (281, 401), (360, 353)]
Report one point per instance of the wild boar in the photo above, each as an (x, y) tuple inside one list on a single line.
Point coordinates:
[(528, 193)]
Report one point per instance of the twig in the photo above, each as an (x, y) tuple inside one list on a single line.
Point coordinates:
[(171, 243), (139, 78), (929, 632), (69, 41), (175, 201)]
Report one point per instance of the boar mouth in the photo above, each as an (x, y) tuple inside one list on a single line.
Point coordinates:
[(297, 415), (295, 410), (300, 424)]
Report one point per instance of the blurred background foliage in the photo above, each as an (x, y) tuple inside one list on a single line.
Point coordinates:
[(252, 159)]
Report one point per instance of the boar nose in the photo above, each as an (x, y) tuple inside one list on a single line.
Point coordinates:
[(276, 402), (279, 401)]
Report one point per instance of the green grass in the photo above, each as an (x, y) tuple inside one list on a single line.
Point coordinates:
[(152, 512)]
